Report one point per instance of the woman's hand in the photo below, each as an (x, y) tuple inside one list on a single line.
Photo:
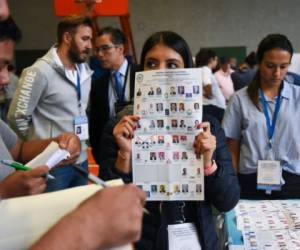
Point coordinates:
[(124, 133), (205, 143)]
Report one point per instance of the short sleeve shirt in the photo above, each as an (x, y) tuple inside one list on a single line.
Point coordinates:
[(225, 83), (217, 96), (8, 139), (245, 122), (206, 75)]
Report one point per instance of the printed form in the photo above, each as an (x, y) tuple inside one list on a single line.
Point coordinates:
[(169, 103)]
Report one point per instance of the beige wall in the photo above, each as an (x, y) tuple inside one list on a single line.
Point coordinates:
[(206, 23)]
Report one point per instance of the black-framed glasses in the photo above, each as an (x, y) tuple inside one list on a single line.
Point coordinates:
[(104, 48)]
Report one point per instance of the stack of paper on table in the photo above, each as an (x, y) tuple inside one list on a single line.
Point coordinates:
[(269, 224)]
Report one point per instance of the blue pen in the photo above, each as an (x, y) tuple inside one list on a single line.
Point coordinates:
[(20, 166)]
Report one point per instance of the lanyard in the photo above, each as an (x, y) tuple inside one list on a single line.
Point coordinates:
[(78, 90), (178, 217), (270, 126)]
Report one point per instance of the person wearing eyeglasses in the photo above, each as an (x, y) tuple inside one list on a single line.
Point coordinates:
[(111, 92)]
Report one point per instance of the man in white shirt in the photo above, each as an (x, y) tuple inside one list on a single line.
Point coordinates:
[(113, 91), (215, 103)]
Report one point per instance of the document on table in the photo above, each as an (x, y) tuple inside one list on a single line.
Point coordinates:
[(51, 156), (24, 220), (183, 236), (273, 225), (169, 103)]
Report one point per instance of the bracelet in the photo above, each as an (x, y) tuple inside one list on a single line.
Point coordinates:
[(123, 157), (210, 169), (212, 163)]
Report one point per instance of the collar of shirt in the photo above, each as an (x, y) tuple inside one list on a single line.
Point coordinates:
[(71, 74), (226, 74), (123, 68), (286, 90)]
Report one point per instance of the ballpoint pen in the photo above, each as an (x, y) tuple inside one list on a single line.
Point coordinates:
[(20, 166), (91, 177), (96, 180)]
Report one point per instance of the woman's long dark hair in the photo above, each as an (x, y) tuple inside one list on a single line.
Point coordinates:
[(171, 40), (272, 41)]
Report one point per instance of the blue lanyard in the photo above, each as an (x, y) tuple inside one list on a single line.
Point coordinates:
[(78, 89), (270, 126)]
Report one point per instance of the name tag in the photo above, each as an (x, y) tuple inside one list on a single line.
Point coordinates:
[(269, 175), (81, 128), (183, 236)]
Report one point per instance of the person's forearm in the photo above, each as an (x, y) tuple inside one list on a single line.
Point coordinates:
[(235, 160), (234, 148), (71, 232), (30, 149), (123, 162), (2, 191), (61, 236), (207, 91)]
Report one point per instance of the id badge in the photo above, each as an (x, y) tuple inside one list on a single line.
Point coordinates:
[(81, 128), (183, 236), (269, 175)]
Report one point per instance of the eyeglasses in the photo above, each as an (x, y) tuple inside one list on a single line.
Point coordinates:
[(104, 48)]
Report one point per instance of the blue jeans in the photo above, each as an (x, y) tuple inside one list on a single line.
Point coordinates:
[(66, 177)]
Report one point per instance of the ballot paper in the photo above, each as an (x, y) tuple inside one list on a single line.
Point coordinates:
[(169, 103), (272, 240), (269, 224), (51, 156), (183, 236), (25, 219)]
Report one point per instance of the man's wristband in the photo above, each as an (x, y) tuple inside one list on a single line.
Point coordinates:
[(122, 156)]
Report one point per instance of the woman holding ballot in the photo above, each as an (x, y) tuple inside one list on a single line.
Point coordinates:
[(261, 126), (167, 50)]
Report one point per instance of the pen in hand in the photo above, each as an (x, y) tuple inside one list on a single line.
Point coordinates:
[(20, 166), (95, 179), (91, 177)]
